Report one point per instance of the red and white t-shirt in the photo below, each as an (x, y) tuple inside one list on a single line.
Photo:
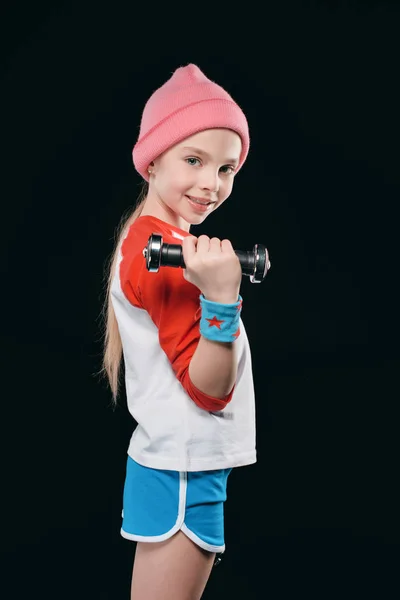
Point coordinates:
[(158, 314)]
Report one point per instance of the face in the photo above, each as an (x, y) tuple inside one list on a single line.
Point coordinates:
[(201, 168)]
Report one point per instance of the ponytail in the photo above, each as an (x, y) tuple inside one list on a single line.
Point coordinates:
[(112, 345)]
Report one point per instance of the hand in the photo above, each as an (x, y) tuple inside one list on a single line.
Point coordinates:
[(213, 267)]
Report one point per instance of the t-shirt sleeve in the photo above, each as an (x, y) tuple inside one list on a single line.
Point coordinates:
[(174, 307)]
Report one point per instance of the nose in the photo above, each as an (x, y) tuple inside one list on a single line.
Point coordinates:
[(209, 180)]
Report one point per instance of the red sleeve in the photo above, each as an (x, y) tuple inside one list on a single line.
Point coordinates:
[(174, 306)]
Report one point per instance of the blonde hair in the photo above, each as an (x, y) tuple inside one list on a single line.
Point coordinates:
[(112, 345)]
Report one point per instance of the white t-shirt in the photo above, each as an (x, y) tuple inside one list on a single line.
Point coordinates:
[(178, 427)]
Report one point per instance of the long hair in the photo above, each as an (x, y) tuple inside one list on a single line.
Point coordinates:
[(112, 345)]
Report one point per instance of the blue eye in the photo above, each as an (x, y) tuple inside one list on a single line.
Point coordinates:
[(192, 158), (232, 169), (227, 169)]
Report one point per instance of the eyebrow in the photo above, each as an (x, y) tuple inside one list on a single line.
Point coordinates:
[(206, 155)]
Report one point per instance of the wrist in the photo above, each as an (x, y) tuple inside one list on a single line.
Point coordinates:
[(222, 298), (220, 321)]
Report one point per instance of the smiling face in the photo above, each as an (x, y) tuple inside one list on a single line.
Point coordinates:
[(198, 170)]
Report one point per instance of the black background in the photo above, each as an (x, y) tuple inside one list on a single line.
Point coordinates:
[(317, 516)]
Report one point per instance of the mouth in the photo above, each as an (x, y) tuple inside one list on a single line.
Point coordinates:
[(200, 201), (200, 205)]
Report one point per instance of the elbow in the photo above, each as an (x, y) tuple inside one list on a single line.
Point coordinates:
[(204, 401)]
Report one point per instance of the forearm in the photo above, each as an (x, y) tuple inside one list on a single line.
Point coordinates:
[(213, 368)]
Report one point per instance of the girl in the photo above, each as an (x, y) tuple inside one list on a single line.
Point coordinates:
[(187, 359)]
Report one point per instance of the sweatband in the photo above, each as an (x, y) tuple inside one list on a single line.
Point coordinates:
[(220, 322)]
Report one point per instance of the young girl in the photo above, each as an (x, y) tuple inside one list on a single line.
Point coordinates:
[(187, 359)]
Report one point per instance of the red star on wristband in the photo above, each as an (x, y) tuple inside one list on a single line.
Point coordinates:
[(236, 335), (240, 305), (214, 322)]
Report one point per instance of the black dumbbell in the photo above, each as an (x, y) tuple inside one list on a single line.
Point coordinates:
[(254, 262)]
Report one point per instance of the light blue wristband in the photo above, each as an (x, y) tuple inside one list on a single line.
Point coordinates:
[(220, 322)]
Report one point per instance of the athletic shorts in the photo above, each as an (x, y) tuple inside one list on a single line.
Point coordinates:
[(157, 503)]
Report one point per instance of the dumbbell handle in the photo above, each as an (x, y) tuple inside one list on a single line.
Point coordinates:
[(158, 255)]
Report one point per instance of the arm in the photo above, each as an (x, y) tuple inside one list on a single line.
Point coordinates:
[(213, 368), (206, 369)]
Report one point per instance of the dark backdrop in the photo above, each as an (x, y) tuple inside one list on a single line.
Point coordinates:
[(317, 516)]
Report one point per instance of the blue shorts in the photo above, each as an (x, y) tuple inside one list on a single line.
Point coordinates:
[(157, 503)]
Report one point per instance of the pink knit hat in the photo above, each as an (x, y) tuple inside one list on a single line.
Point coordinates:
[(187, 103)]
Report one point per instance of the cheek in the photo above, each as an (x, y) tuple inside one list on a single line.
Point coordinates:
[(183, 181), (226, 189), (168, 187)]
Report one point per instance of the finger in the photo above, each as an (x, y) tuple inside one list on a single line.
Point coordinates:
[(189, 244), (203, 243), (226, 246), (215, 245)]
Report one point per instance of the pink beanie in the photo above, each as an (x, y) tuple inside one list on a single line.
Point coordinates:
[(187, 103)]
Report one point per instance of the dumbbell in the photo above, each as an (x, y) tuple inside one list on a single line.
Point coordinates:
[(253, 262)]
